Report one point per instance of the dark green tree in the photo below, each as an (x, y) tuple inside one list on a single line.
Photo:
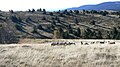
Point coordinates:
[(11, 11), (51, 13), (35, 30), (114, 33), (66, 35), (39, 10), (40, 27), (44, 11), (44, 18), (98, 35), (70, 29), (76, 11), (92, 22), (33, 10), (71, 11), (78, 32), (76, 20)]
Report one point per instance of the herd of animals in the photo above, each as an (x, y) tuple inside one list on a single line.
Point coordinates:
[(82, 43)]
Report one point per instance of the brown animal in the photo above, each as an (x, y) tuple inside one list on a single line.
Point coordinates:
[(92, 42), (102, 42), (111, 42), (53, 44), (81, 43), (86, 44)]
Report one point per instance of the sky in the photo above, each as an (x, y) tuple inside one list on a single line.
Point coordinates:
[(50, 5)]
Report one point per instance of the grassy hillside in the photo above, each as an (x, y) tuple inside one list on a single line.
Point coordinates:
[(62, 24)]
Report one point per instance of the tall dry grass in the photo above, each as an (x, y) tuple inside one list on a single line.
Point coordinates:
[(45, 55)]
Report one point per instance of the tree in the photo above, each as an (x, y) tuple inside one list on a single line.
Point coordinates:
[(76, 21), (44, 18), (53, 22), (84, 11), (93, 12), (61, 32), (40, 27), (35, 29), (61, 15), (104, 13), (114, 33), (29, 10), (33, 10), (76, 11), (44, 11), (58, 20), (65, 11), (66, 35), (78, 32), (39, 10), (118, 36), (70, 29), (11, 11), (19, 28), (51, 13), (88, 33), (99, 35), (87, 11), (71, 11), (92, 22)]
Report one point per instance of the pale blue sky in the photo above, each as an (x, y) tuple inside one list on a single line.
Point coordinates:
[(6, 5)]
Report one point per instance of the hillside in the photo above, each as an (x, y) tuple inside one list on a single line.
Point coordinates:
[(60, 24), (103, 6)]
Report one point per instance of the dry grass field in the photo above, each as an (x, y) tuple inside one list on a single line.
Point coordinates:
[(42, 54)]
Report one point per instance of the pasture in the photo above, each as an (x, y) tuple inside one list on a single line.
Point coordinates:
[(40, 53)]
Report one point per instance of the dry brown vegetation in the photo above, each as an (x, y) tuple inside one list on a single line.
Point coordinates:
[(42, 54)]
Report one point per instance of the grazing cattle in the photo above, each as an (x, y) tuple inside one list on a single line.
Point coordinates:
[(72, 43), (53, 44), (111, 42), (81, 43), (92, 42), (86, 44), (62, 43), (102, 42)]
